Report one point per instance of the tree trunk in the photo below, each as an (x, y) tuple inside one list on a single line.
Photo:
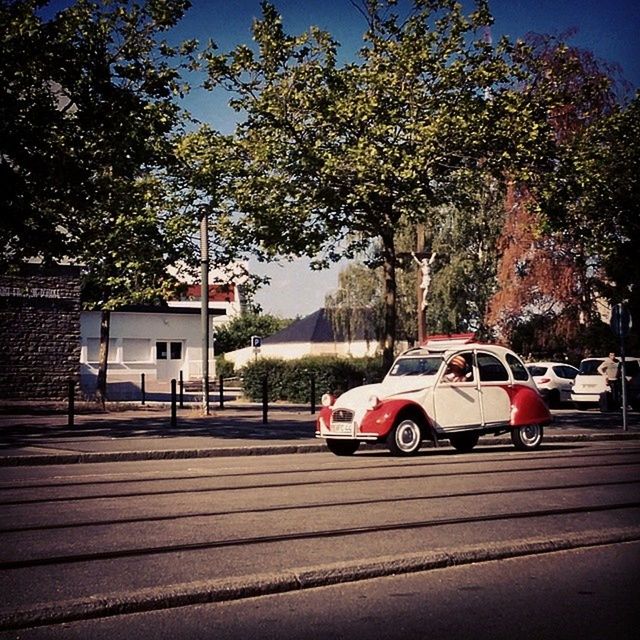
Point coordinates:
[(101, 385), (389, 269)]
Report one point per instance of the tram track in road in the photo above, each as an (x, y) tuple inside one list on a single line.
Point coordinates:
[(314, 505), (337, 532), (280, 485), (478, 457)]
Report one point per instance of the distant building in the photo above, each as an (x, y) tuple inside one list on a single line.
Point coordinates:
[(313, 335), (159, 341)]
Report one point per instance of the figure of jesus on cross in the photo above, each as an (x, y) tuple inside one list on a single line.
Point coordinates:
[(425, 269)]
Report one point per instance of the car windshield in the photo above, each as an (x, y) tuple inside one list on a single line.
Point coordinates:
[(423, 366), (589, 367)]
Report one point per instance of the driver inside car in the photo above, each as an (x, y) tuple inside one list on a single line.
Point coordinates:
[(456, 370)]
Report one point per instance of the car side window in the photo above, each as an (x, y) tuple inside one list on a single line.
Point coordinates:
[(565, 372), (459, 369), (518, 369), (491, 369)]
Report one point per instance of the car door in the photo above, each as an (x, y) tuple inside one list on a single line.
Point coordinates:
[(494, 382), (565, 377), (457, 404)]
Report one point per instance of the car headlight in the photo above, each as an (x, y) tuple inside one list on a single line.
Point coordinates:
[(328, 400), (373, 402)]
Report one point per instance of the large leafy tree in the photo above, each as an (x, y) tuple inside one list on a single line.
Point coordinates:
[(87, 114), (339, 158), (602, 212), (552, 261)]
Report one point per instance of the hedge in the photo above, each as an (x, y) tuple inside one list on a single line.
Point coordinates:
[(290, 380)]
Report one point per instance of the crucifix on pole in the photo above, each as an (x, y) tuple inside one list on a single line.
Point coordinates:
[(424, 262)]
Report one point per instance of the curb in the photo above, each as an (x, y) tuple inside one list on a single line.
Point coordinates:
[(236, 588), (253, 450)]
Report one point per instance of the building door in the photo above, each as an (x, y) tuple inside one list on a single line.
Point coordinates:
[(169, 359)]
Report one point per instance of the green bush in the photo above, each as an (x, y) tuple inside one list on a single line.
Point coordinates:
[(224, 368), (290, 380)]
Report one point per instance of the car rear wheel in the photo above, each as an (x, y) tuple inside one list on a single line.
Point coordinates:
[(405, 438), (527, 438), (342, 447), (464, 442)]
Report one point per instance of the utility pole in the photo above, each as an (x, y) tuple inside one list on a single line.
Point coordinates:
[(204, 307), (422, 312)]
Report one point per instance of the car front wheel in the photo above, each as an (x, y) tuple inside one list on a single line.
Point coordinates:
[(405, 438), (527, 438), (342, 447)]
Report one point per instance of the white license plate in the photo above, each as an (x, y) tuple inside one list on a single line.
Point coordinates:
[(342, 427)]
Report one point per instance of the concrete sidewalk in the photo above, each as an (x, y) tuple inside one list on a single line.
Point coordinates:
[(145, 433)]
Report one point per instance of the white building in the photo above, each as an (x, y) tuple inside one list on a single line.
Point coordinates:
[(160, 342), (312, 335)]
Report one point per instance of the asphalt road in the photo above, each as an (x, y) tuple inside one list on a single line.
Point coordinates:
[(588, 593), (85, 540)]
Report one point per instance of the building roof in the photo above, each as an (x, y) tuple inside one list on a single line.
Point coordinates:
[(148, 308), (217, 292), (315, 327)]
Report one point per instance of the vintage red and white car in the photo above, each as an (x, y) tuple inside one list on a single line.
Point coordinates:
[(421, 399)]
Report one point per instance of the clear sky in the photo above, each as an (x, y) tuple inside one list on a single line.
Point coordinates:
[(609, 28)]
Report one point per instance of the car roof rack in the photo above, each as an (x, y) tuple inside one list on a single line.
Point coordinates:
[(444, 342), (441, 343)]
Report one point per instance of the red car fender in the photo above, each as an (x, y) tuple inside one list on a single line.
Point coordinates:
[(527, 407), (383, 417), (324, 415)]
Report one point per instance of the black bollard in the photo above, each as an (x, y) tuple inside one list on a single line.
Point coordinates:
[(265, 401), (142, 389), (221, 392), (313, 394), (174, 413), (181, 390), (71, 406)]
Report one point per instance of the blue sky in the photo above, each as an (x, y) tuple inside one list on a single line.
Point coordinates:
[(609, 28)]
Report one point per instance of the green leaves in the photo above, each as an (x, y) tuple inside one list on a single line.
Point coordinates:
[(85, 146)]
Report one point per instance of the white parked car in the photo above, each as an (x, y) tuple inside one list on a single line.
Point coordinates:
[(419, 399), (554, 380), (589, 384)]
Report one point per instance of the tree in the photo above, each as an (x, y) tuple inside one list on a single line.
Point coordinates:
[(88, 113), (356, 307), (540, 284), (337, 159), (602, 211), (548, 274)]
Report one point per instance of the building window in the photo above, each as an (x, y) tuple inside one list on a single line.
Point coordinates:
[(176, 351), (169, 350), (93, 350), (135, 350)]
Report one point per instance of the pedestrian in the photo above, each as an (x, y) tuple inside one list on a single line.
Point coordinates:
[(609, 368)]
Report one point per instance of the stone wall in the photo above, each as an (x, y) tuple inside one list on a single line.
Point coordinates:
[(39, 332)]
